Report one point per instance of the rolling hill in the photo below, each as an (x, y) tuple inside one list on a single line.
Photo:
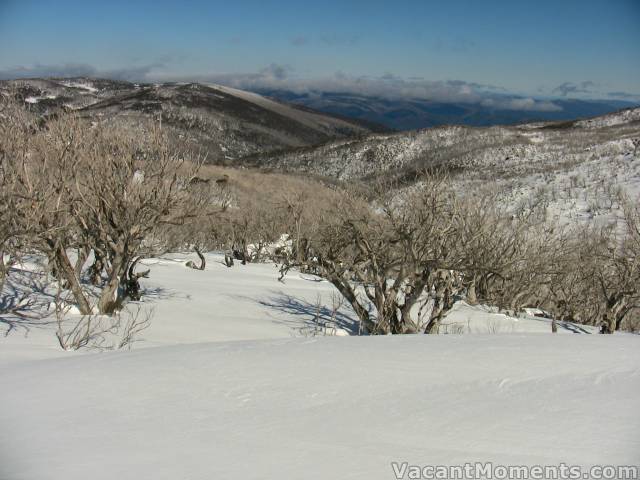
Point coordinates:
[(224, 123)]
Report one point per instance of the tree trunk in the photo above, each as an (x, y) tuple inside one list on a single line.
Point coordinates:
[(130, 285), (110, 298), (83, 253), (67, 270), (443, 301), (472, 298), (245, 253), (203, 262), (52, 263), (95, 271), (620, 317), (347, 292), (615, 313), (409, 324), (3, 271), (432, 325)]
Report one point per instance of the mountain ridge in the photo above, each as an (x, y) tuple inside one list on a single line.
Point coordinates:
[(227, 123)]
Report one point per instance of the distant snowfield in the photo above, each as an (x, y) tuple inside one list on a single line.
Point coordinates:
[(218, 387), (309, 118), (33, 100), (80, 85)]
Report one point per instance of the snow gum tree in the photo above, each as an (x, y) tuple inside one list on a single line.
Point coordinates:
[(605, 277), (38, 165), (95, 188), (388, 258), (125, 189), (511, 260)]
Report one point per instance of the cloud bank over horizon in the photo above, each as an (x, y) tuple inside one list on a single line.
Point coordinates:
[(388, 86), (284, 78)]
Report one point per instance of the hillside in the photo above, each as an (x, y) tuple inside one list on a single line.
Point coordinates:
[(574, 164), (222, 122)]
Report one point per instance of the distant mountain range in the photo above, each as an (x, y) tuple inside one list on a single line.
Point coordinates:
[(332, 135), (224, 123), (411, 114)]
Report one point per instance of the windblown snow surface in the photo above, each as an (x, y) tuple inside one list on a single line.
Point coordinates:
[(225, 385)]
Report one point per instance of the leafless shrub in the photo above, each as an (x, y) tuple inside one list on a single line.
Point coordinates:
[(325, 321), (600, 281), (100, 332)]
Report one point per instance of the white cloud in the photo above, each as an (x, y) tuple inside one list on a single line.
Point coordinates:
[(389, 86)]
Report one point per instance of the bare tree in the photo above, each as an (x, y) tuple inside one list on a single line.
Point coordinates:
[(611, 274), (96, 189), (125, 190), (40, 163), (385, 259), (511, 260)]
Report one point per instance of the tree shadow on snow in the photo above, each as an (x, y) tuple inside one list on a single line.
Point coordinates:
[(25, 302), (572, 327), (159, 293), (310, 318)]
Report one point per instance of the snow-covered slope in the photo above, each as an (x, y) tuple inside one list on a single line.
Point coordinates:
[(617, 118), (236, 379), (493, 151), (312, 119), (191, 306), (575, 169), (322, 408), (231, 304)]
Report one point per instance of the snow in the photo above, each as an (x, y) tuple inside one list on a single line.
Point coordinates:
[(322, 408), (612, 119), (33, 100), (229, 382), (313, 120), (80, 85), (218, 304)]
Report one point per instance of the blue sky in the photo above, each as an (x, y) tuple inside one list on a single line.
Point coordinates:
[(539, 48)]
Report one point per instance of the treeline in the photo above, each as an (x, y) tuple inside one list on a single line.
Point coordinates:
[(401, 258)]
